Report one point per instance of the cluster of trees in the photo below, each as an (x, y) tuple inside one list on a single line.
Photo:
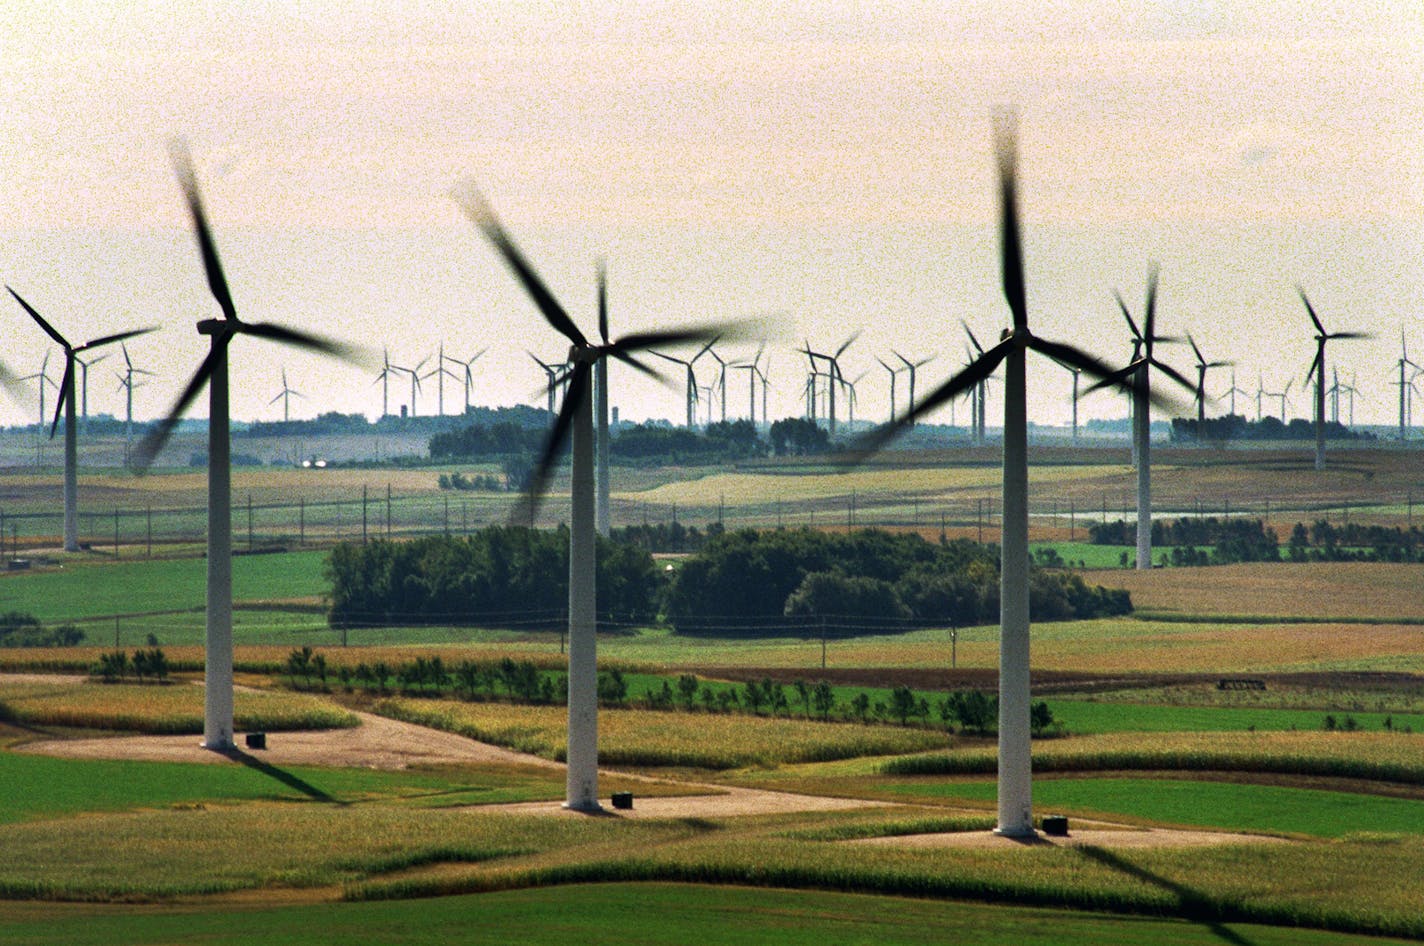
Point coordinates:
[(666, 536), (500, 576), (1231, 540), (1352, 542), (744, 583), (723, 441), (479, 482), (22, 629), (749, 583), (650, 443), (484, 441), (150, 664), (1250, 540), (1236, 427)]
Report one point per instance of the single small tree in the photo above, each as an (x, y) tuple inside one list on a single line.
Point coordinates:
[(902, 704), (861, 706), (824, 698), (687, 687), (803, 693)]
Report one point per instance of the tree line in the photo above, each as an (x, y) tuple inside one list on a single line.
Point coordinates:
[(742, 583), (1212, 541)]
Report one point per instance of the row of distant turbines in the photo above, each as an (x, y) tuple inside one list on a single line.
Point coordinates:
[(582, 419), (825, 385)]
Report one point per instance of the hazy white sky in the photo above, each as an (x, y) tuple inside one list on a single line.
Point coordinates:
[(728, 159)]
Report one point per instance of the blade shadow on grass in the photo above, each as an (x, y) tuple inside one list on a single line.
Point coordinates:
[(1195, 905), (286, 778)]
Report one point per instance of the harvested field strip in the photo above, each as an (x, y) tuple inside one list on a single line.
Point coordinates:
[(1378, 591)]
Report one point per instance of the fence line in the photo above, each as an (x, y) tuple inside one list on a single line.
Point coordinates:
[(128, 531)]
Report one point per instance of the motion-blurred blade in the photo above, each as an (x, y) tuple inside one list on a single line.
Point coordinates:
[(846, 343), (1174, 374), (554, 446), (952, 388), (1149, 318), (974, 341), (1011, 248), (49, 329), (475, 207), (188, 180), (64, 395), (603, 302), (1136, 335), (148, 448), (1108, 377), (1311, 310), (278, 333), (116, 337)]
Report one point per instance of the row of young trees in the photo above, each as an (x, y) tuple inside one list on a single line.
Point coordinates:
[(1231, 540), (522, 682), (144, 665), (1212, 541)]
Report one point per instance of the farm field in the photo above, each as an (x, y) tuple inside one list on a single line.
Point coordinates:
[(1199, 813)]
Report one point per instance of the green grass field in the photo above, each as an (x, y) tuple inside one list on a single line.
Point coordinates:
[(40, 787), (621, 913), (85, 590)]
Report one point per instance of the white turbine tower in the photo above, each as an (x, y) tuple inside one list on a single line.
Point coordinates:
[(575, 422), (1015, 818), (213, 372)]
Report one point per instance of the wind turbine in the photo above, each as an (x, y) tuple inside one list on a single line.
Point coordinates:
[(384, 379), (575, 422), (1235, 391), (126, 381), (43, 377), (66, 404), (554, 375), (1284, 396), (1317, 368), (213, 372), (752, 369), (469, 377), (980, 424), (912, 367), (283, 396), (720, 385), (1015, 777), (84, 386), (692, 396), (1139, 370), (1403, 385), (1075, 371), (415, 378), (892, 372), (1202, 366)]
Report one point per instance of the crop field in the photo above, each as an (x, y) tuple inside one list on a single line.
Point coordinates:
[(158, 709), (1315, 776)]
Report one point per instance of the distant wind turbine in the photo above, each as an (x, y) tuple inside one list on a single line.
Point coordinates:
[(66, 404), (1317, 369)]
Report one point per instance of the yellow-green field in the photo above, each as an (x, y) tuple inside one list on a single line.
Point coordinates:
[(176, 708)]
